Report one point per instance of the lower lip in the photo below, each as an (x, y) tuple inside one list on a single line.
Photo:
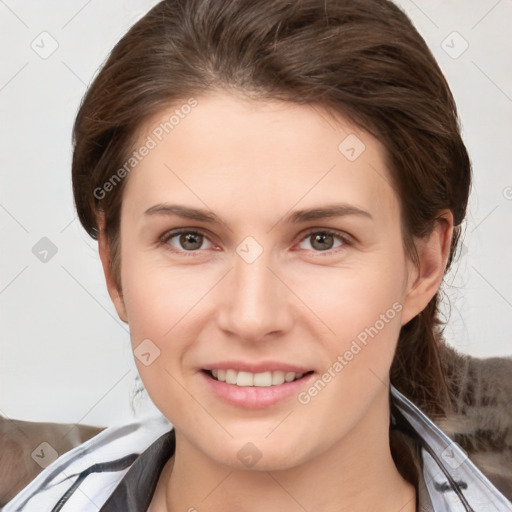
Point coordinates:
[(253, 397)]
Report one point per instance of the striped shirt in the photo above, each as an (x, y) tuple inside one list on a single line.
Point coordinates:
[(118, 470)]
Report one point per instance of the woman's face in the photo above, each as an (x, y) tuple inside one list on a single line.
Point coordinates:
[(263, 239)]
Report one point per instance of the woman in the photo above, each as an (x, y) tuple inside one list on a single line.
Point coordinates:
[(277, 190)]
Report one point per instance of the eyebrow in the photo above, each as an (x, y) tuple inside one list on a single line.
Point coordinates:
[(298, 216)]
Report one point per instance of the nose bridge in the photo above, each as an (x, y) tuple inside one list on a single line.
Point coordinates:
[(255, 302)]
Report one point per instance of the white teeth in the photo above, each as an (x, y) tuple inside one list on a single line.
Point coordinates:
[(277, 378), (264, 379), (231, 376), (244, 379), (289, 376)]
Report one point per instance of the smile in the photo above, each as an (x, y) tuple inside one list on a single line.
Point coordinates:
[(263, 379), (254, 390)]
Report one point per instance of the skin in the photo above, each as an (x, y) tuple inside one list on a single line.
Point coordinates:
[(253, 164)]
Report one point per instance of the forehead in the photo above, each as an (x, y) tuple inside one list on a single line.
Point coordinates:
[(262, 157)]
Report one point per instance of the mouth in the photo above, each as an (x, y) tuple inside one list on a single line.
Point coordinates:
[(249, 379), (255, 385)]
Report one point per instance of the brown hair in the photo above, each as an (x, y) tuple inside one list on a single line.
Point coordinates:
[(361, 58)]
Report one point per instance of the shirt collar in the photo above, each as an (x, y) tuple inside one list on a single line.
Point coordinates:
[(135, 491), (441, 484)]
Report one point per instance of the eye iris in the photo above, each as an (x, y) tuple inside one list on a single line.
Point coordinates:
[(325, 241), (191, 241)]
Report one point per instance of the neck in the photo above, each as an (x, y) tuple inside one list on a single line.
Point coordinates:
[(357, 474)]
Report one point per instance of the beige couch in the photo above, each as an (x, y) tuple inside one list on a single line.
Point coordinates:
[(23, 454)]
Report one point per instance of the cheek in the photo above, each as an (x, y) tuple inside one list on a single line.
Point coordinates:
[(162, 305), (349, 299), (158, 296), (363, 311), (359, 311), (167, 305)]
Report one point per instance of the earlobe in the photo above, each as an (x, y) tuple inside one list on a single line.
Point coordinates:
[(425, 278), (104, 252)]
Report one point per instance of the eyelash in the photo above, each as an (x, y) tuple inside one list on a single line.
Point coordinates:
[(343, 238)]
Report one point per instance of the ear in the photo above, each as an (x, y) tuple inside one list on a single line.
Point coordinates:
[(425, 278), (104, 250)]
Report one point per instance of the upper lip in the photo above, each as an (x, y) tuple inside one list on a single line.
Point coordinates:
[(252, 367)]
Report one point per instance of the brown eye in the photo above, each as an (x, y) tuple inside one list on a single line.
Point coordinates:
[(191, 241), (322, 241), (186, 241)]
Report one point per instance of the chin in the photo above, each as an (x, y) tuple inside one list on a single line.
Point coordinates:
[(260, 454)]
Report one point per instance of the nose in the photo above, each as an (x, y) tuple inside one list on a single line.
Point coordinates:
[(255, 304)]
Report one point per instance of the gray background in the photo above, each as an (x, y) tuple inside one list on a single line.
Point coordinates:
[(65, 356)]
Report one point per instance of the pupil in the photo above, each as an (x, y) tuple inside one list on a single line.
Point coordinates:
[(324, 240), (190, 241)]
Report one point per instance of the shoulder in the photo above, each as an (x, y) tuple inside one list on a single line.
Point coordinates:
[(27, 447), (117, 443), (480, 417), (451, 480)]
